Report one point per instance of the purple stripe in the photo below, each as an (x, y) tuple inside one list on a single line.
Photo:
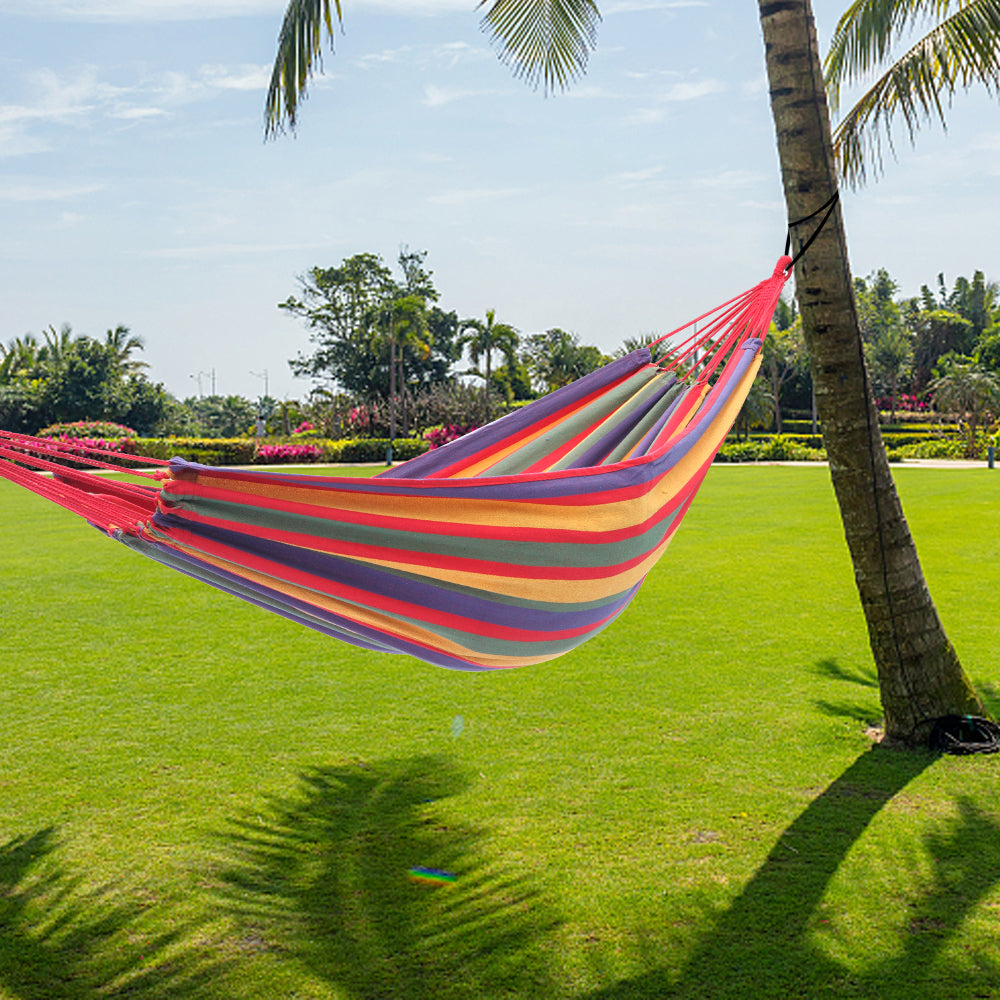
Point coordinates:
[(305, 614), (374, 580), (486, 438), (647, 441), (606, 444)]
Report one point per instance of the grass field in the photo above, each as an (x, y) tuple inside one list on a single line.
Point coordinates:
[(201, 800)]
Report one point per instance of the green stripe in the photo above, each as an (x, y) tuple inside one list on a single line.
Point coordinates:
[(645, 425), (507, 551), (534, 451), (625, 412)]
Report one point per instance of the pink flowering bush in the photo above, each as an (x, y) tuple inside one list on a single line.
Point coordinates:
[(438, 436), (272, 454), (304, 428), (905, 402), (90, 430)]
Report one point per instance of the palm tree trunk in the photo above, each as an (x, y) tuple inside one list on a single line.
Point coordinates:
[(920, 676)]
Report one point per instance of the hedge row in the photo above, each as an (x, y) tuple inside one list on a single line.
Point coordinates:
[(891, 439), (244, 451)]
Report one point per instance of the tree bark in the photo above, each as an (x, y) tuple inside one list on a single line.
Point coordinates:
[(920, 676)]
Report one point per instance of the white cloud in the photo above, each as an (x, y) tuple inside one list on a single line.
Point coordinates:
[(25, 191), (435, 97), (645, 116), (16, 141), (628, 6), (139, 114), (637, 176), (692, 91), (124, 11), (729, 180), (246, 77), (448, 54), (464, 197)]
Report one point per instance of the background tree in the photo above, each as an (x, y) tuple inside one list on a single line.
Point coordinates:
[(782, 358), (123, 343), (889, 356), (961, 49), (556, 358), (347, 309), (67, 377), (481, 338), (936, 332), (970, 392)]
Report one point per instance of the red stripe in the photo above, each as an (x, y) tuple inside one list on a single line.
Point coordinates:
[(412, 525), (367, 599)]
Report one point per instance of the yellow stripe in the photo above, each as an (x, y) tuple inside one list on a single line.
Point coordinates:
[(364, 616)]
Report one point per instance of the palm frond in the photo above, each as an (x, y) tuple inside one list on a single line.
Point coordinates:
[(544, 41), (299, 52), (865, 34), (962, 50)]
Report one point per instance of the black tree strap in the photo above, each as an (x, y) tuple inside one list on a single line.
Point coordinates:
[(829, 207), (964, 734)]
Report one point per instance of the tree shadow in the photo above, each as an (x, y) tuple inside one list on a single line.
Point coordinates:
[(61, 941), (765, 944), (831, 669), (323, 875), (862, 712)]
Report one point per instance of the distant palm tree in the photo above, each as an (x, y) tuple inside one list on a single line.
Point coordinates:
[(123, 342), (482, 339), (18, 357), (970, 392), (962, 48), (56, 344)]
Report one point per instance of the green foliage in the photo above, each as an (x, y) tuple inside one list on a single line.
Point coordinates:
[(207, 451), (69, 378), (222, 416), (960, 49), (556, 358), (360, 317), (373, 449), (88, 429), (780, 448)]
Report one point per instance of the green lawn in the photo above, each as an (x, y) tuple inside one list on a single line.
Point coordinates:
[(198, 799)]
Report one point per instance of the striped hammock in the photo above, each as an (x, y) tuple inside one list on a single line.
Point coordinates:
[(509, 546)]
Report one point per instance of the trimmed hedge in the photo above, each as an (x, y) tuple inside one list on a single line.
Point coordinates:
[(780, 448), (244, 451)]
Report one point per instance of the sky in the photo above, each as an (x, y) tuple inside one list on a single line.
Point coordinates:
[(136, 187)]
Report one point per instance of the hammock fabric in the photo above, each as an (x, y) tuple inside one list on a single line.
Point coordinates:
[(509, 546)]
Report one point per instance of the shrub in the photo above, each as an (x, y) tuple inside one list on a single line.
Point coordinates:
[(777, 449), (207, 451), (373, 449), (270, 454), (437, 436), (87, 430)]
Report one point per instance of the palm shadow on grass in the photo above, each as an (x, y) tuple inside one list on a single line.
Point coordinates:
[(763, 945), (322, 876), (62, 941), (864, 713)]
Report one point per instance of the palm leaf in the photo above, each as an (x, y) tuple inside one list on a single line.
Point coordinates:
[(545, 41), (962, 50), (299, 51)]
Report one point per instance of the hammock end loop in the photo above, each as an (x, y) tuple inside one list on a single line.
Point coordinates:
[(784, 266)]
